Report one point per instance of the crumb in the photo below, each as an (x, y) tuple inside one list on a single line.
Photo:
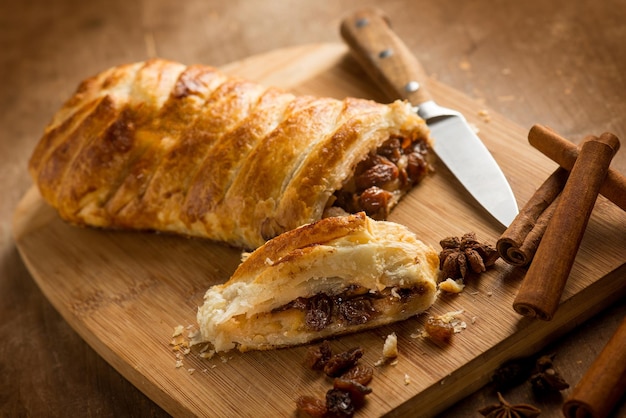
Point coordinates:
[(178, 330), (407, 379), (452, 286), (205, 353), (191, 371), (179, 364), (484, 114), (390, 348), (490, 293), (474, 320)]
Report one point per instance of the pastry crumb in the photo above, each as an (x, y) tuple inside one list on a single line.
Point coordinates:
[(245, 255), (390, 348), (452, 286), (178, 330), (484, 114), (407, 379)]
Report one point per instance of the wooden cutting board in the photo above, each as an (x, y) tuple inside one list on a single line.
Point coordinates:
[(125, 292)]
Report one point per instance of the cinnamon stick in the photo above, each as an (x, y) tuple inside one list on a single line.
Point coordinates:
[(603, 384), (518, 243), (565, 153), (541, 290)]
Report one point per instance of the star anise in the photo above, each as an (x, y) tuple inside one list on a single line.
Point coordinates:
[(506, 410), (546, 378), (459, 256)]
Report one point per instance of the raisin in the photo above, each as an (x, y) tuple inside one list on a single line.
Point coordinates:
[(317, 357), (374, 202), (341, 362), (357, 311), (383, 171), (298, 303), (391, 149), (359, 373), (339, 403), (318, 312), (417, 167), (439, 330), (356, 390), (309, 406)]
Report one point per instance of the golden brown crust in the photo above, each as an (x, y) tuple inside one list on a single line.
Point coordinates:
[(284, 246), (352, 272), (161, 146)]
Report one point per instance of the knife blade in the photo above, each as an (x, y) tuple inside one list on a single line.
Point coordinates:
[(390, 63)]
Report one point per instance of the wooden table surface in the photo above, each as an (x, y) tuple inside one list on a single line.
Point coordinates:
[(558, 63)]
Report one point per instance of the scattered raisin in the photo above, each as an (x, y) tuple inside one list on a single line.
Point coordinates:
[(308, 406), (339, 403), (359, 373), (341, 362), (439, 330), (349, 383), (356, 390), (317, 357)]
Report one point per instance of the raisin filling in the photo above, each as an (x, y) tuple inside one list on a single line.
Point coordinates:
[(353, 306), (395, 166)]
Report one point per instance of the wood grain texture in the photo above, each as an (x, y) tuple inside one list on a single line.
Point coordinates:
[(124, 293), (558, 63)]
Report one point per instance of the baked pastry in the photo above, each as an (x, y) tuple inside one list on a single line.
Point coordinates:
[(158, 145), (334, 276)]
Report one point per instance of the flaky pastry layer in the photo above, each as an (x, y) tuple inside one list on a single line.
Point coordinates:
[(335, 276), (158, 145)]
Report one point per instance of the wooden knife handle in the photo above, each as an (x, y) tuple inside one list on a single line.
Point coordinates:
[(384, 56)]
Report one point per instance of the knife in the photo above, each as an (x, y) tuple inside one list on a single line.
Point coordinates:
[(390, 63)]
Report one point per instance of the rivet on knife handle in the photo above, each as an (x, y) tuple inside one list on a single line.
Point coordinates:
[(386, 59)]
